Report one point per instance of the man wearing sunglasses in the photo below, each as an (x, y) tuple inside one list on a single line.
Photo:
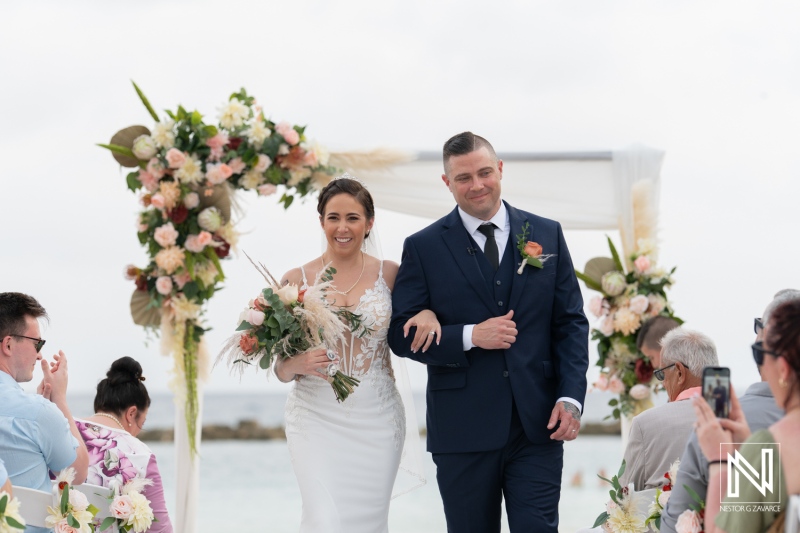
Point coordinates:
[(657, 436), (37, 432), (759, 408)]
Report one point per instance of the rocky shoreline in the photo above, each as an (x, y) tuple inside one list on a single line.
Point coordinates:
[(252, 430)]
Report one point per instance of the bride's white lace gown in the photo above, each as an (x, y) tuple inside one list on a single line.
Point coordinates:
[(346, 455)]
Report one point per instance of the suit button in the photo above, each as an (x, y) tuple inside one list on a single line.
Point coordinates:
[(505, 373), (498, 282), (500, 303)]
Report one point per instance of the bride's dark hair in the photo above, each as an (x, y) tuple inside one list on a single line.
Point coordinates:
[(347, 186), (122, 387)]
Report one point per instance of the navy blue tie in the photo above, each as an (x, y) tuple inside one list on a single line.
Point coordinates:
[(490, 250)]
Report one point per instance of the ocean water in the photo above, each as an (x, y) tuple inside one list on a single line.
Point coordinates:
[(267, 408), (249, 486)]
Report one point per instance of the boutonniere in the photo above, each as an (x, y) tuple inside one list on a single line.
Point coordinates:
[(531, 251)]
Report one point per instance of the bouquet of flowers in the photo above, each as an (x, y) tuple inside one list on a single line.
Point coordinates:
[(628, 299), (285, 321), (662, 496), (186, 171), (74, 510), (622, 514), (10, 518), (129, 509)]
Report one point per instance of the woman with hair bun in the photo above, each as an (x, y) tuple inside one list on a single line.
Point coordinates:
[(115, 454)]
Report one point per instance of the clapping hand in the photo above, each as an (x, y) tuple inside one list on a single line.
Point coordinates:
[(55, 379)]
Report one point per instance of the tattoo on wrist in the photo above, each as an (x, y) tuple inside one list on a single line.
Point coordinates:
[(573, 410)]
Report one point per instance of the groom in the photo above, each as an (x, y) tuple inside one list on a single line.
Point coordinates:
[(507, 380)]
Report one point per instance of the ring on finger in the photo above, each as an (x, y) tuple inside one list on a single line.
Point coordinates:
[(431, 333)]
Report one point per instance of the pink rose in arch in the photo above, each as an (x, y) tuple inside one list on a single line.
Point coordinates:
[(642, 263), (175, 158), (615, 385), (289, 134), (236, 165)]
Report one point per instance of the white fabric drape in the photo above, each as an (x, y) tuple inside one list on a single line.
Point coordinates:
[(636, 175), (580, 190), (188, 468)]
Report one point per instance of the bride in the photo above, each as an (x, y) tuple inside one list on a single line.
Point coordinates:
[(346, 456)]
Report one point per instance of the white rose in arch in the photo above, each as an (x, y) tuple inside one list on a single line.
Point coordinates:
[(640, 392)]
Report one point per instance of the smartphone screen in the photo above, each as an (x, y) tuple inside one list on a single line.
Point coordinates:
[(717, 389)]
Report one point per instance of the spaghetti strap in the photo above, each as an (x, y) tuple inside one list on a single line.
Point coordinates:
[(305, 281), (380, 272)]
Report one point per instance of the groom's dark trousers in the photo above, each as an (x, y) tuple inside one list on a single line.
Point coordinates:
[(488, 409)]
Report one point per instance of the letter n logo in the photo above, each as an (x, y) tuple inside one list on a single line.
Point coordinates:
[(741, 471)]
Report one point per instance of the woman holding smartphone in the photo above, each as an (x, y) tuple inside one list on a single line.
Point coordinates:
[(746, 509)]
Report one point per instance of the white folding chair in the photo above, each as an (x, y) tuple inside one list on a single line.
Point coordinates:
[(33, 505), (99, 497), (792, 524)]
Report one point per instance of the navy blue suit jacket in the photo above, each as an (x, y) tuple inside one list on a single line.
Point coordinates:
[(469, 394)]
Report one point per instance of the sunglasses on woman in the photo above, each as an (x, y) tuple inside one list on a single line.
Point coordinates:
[(759, 351)]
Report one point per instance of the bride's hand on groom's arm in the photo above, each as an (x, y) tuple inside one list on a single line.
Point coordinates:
[(310, 363), (428, 329)]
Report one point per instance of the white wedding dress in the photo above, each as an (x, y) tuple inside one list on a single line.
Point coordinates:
[(346, 455)]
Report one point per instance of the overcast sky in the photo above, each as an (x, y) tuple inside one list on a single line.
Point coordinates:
[(716, 85)]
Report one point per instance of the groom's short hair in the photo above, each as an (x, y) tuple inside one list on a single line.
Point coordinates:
[(465, 143)]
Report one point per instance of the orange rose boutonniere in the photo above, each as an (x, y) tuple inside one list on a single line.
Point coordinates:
[(531, 251)]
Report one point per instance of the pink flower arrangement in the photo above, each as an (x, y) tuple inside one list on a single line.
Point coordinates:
[(631, 294), (183, 168)]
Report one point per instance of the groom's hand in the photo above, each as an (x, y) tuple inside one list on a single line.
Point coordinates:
[(497, 333), (570, 419)]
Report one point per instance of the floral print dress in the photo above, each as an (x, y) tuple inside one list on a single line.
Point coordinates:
[(116, 457)]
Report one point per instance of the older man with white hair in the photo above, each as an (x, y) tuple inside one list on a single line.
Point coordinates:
[(658, 436)]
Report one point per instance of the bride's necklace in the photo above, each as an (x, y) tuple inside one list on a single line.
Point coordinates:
[(114, 418), (345, 293)]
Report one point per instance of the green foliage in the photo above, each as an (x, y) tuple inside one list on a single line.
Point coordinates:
[(145, 101), (107, 523), (133, 181), (616, 493)]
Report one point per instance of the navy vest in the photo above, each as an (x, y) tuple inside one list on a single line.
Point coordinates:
[(499, 282)]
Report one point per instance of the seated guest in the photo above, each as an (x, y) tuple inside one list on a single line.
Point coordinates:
[(648, 340), (755, 507), (658, 436), (115, 454), (37, 432), (760, 410), (5, 483)]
